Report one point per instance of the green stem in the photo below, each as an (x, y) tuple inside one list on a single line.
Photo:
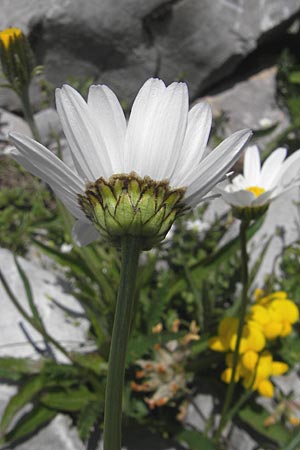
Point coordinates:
[(117, 357), (28, 114), (242, 315)]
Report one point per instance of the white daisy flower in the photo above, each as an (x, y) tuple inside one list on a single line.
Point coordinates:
[(131, 178), (259, 185)]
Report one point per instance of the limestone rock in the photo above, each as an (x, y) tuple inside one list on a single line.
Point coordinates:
[(124, 43), (251, 104), (63, 317)]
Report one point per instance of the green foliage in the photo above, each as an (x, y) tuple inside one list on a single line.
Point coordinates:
[(196, 441), (24, 212), (255, 416)]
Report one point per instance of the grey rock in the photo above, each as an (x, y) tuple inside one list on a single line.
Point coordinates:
[(251, 104), (199, 411), (240, 440), (62, 314), (124, 43), (11, 122), (48, 124)]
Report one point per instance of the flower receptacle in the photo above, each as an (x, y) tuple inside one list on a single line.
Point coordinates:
[(133, 206)]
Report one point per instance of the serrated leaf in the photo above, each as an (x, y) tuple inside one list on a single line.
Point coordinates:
[(25, 395), (71, 400), (29, 423), (196, 440)]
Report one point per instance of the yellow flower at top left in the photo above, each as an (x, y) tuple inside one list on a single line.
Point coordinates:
[(10, 34)]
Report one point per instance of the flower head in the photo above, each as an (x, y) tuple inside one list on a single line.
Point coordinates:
[(17, 59), (131, 178), (275, 314), (9, 35), (258, 186)]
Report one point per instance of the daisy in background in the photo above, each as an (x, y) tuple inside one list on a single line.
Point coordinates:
[(131, 178), (260, 185)]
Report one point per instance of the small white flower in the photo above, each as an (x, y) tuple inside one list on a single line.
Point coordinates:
[(161, 140), (258, 186)]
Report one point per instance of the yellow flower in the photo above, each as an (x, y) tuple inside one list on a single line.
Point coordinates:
[(227, 328), (10, 34), (252, 339), (264, 300), (262, 369), (275, 314)]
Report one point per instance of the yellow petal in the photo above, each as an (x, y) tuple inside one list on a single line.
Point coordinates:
[(259, 314), (217, 344), (286, 329), (279, 368), (227, 374), (287, 309), (249, 360), (272, 330), (266, 388)]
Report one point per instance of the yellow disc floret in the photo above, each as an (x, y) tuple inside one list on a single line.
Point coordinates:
[(256, 190)]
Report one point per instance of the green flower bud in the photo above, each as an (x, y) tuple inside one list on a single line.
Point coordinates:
[(127, 205), (248, 213)]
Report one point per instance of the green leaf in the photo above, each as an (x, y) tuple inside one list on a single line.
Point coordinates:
[(30, 423), (255, 418), (91, 361), (64, 259), (195, 440), (294, 77), (87, 419), (25, 395), (15, 368), (293, 443), (290, 350), (29, 295), (140, 345), (71, 400)]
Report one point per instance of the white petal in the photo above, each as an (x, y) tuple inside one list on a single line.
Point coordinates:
[(48, 164), (215, 166), (44, 164), (84, 233), (263, 198), (272, 167), (88, 149), (252, 166), (109, 119), (239, 198), (156, 129), (70, 203), (291, 163), (238, 182), (195, 142)]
